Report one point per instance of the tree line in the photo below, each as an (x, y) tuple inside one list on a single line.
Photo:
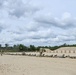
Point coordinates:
[(31, 48)]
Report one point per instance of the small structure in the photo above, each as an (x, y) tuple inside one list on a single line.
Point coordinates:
[(41, 51), (47, 50)]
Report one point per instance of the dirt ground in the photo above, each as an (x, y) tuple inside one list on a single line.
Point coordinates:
[(25, 65)]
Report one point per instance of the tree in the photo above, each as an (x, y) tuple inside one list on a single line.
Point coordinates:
[(0, 46), (15, 48), (6, 45), (32, 48), (38, 48), (21, 47)]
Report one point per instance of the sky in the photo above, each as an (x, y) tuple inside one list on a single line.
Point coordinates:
[(38, 22)]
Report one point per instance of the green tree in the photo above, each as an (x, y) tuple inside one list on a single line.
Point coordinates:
[(21, 47), (0, 45), (32, 48), (6, 45)]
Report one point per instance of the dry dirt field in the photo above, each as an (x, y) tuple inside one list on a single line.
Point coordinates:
[(25, 65)]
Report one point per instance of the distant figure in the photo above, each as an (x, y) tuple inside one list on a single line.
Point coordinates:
[(1, 52)]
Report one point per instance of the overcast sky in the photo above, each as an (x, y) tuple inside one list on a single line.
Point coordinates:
[(38, 22)]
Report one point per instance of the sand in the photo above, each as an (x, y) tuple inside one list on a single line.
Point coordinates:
[(26, 65)]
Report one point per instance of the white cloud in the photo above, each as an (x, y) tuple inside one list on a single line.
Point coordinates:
[(23, 22), (18, 8)]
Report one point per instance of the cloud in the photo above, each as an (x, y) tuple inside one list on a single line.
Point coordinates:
[(18, 8), (1, 28), (1, 2), (65, 21), (26, 23)]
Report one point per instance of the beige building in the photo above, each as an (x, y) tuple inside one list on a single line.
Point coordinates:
[(66, 50)]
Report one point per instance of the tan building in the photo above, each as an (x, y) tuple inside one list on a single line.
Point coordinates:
[(66, 50)]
